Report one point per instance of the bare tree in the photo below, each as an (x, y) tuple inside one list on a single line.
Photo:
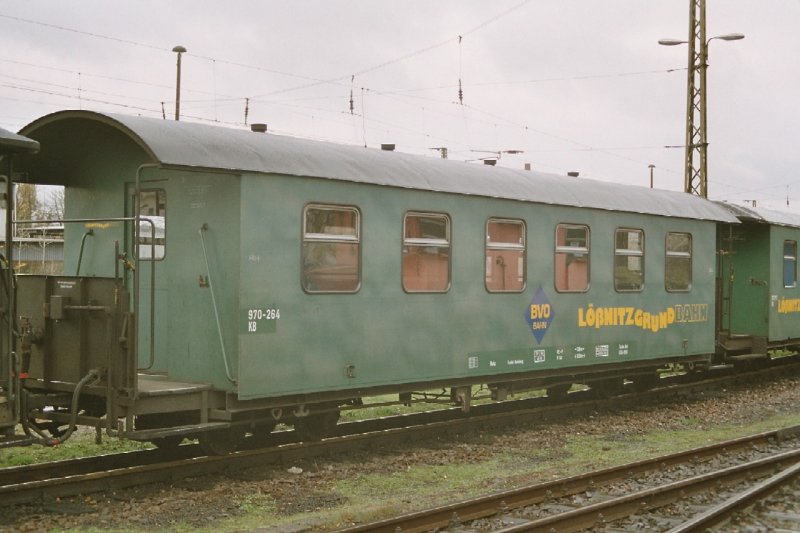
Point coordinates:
[(52, 208), (26, 202)]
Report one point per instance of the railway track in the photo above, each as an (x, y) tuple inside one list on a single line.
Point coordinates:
[(634, 496), (45, 482)]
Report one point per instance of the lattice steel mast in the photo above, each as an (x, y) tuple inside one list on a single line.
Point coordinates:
[(696, 164)]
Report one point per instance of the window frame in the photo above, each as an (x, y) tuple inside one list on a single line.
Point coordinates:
[(674, 254), (573, 250), (446, 243), (627, 252), (146, 226), (306, 237), (794, 262), (507, 246)]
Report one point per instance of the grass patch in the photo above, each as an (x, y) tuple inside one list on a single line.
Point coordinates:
[(256, 502), (593, 452), (80, 444), (372, 407), (384, 495)]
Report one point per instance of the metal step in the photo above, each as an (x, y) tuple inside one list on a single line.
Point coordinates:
[(192, 429)]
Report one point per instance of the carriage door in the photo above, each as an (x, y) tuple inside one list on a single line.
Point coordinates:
[(151, 245), (725, 277)]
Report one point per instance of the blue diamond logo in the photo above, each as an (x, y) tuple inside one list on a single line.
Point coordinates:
[(539, 314)]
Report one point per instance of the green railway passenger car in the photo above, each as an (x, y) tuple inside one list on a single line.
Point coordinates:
[(760, 297), (218, 281)]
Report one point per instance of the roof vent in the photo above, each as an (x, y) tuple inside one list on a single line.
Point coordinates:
[(490, 162), (387, 147), (573, 174), (258, 128), (527, 166)]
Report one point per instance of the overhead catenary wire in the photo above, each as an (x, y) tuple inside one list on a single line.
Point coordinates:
[(466, 116), (364, 120)]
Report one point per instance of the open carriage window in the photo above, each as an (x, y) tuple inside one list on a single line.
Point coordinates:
[(505, 255), (152, 228), (331, 249), (572, 258), (426, 252)]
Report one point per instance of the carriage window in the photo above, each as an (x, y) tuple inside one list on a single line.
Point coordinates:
[(331, 249), (629, 260), (426, 252), (572, 258), (505, 255), (790, 264), (153, 234), (678, 270)]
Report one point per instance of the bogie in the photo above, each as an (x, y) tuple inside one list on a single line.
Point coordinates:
[(316, 426)]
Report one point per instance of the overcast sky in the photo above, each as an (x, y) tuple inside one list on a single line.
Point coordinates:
[(578, 85)]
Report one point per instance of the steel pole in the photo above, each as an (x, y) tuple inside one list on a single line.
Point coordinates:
[(179, 50)]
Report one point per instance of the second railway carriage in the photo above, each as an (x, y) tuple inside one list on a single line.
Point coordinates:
[(218, 281), (759, 295)]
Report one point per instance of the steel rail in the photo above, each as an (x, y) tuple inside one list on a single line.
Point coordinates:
[(600, 514), (494, 504), (716, 515), (135, 468)]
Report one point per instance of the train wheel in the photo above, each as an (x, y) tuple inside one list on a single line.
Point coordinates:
[(643, 382), (316, 426), (262, 432), (221, 441), (606, 388), (558, 392), (163, 420)]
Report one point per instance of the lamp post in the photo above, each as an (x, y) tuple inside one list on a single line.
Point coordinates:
[(696, 176), (178, 50)]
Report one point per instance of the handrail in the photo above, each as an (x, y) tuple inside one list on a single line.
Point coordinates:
[(203, 228), (136, 282), (152, 358)]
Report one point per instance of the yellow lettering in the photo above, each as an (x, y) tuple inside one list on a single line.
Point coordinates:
[(630, 320), (663, 320), (540, 311), (601, 317), (590, 316)]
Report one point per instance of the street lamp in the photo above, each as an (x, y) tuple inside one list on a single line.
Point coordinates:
[(696, 177), (178, 50), (726, 37)]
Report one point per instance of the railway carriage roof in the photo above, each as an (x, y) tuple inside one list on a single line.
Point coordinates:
[(11, 143), (764, 216), (198, 145)]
